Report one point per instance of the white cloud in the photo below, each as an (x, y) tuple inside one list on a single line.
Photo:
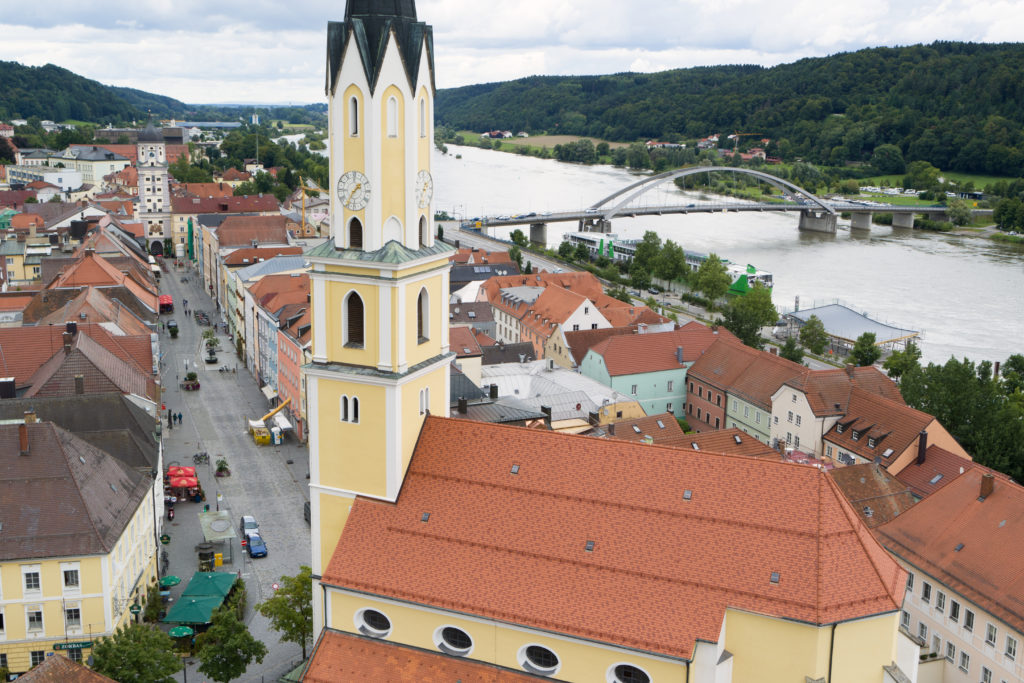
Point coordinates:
[(263, 51)]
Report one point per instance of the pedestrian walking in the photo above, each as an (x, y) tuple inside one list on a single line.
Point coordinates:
[(179, 418)]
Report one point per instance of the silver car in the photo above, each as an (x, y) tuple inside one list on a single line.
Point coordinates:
[(248, 526)]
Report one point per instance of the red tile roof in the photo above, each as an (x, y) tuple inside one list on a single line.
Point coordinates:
[(24, 349), (463, 342), (725, 441), (343, 657), (971, 546), (724, 361), (23, 221), (102, 372), (276, 291), (828, 391), (581, 341), (582, 283), (491, 533), (209, 189), (938, 469), (654, 352), (762, 378), (622, 314), (234, 174), (246, 204), (662, 429), (241, 231), (250, 255), (891, 425), (467, 255), (483, 339), (58, 669), (874, 494)]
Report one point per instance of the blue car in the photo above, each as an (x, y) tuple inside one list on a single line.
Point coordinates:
[(256, 546)]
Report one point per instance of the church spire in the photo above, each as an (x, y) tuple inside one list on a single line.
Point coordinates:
[(402, 9)]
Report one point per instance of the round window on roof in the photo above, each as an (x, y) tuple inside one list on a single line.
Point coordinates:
[(372, 623), (539, 660), (453, 641), (627, 673)]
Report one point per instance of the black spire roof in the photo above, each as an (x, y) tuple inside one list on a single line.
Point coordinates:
[(369, 23), (151, 134)]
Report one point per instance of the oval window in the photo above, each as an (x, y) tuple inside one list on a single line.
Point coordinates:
[(373, 623), (454, 641), (627, 673), (539, 660)]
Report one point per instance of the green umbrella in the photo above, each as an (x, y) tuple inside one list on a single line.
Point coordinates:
[(180, 632), (170, 580)]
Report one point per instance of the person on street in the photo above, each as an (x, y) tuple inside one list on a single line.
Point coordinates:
[(179, 418)]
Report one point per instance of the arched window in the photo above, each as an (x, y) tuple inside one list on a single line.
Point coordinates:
[(344, 408), (355, 234), (392, 117), (393, 230), (423, 317), (424, 232), (423, 117), (355, 410), (353, 117), (424, 401), (354, 323)]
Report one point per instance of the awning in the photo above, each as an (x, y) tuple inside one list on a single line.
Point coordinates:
[(282, 422), (165, 299), (193, 610), (206, 584), (269, 392), (182, 482), (181, 471)]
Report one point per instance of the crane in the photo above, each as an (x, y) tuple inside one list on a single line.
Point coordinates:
[(258, 428)]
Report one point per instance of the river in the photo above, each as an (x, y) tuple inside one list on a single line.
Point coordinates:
[(965, 294)]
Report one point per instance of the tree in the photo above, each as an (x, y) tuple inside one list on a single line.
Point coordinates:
[(136, 654), (227, 647), (902, 362), (565, 250), (529, 268), (582, 253), (639, 277), (440, 232), (1013, 374), (620, 293), (712, 279), (290, 611), (888, 159), (670, 263), (745, 315), (958, 212), (792, 351), (864, 351), (813, 335), (647, 250), (516, 255), (519, 238)]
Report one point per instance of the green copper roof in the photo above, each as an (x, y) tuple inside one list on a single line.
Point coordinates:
[(392, 252), (370, 27)]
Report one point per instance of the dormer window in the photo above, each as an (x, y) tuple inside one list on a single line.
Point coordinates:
[(839, 429), (872, 442), (856, 435)]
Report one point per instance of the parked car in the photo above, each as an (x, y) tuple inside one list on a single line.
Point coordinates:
[(256, 546), (249, 526)]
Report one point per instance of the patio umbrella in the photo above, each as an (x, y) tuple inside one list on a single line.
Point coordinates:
[(181, 471), (180, 632), (170, 580), (183, 482)]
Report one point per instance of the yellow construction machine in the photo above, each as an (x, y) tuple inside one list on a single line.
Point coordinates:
[(258, 428)]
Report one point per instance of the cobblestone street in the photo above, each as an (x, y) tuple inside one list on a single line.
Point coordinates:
[(262, 482)]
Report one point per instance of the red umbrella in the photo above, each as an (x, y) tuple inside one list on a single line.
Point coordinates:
[(181, 471), (184, 482)]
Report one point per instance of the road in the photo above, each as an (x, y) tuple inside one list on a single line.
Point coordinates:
[(269, 482)]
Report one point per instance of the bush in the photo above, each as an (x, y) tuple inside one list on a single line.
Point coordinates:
[(237, 599), (191, 377)]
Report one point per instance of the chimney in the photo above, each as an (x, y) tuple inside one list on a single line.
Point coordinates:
[(463, 406), (71, 327), (611, 429), (30, 417), (547, 415), (90, 251), (494, 392), (679, 355), (79, 384), (995, 371), (457, 244), (987, 482), (68, 337), (7, 387), (774, 350), (594, 419), (922, 445), (23, 438), (849, 369)]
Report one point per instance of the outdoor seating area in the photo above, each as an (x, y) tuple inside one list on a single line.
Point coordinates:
[(205, 593)]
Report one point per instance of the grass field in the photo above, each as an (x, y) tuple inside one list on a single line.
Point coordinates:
[(297, 127), (537, 143), (980, 181)]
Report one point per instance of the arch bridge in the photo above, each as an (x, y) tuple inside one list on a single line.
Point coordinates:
[(816, 214)]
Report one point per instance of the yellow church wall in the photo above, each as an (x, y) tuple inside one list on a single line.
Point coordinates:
[(352, 455), (414, 350), (424, 145), (355, 145), (769, 650), (413, 420), (863, 647), (334, 511), (392, 158), (496, 643), (336, 351)]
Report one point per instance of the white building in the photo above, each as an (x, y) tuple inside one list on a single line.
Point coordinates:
[(154, 195)]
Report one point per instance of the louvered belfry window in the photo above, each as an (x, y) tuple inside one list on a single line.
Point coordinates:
[(354, 315)]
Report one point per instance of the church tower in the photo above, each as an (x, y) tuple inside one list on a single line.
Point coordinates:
[(154, 195), (379, 294)]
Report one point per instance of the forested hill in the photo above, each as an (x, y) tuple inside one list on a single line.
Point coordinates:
[(50, 92), (959, 106)]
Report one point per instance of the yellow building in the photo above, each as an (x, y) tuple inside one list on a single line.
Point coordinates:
[(483, 552), (77, 543)]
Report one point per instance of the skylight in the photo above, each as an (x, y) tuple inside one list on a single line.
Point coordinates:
[(737, 438), (425, 517), (515, 469), (775, 577), (959, 547), (695, 446), (687, 494), (661, 425), (590, 546), (887, 453), (636, 429), (935, 480)]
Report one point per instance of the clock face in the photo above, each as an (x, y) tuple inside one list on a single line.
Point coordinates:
[(424, 189), (354, 190)]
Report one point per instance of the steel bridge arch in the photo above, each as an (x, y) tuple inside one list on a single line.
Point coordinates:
[(647, 184)]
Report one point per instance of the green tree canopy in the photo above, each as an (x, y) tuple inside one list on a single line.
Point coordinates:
[(639, 277), (792, 351), (814, 336), (227, 647), (864, 351), (670, 263), (519, 238), (290, 610), (136, 654), (516, 254), (712, 279), (902, 362), (565, 250), (745, 315), (888, 159), (647, 250)]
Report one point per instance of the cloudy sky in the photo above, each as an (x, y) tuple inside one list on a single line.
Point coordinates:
[(271, 51)]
